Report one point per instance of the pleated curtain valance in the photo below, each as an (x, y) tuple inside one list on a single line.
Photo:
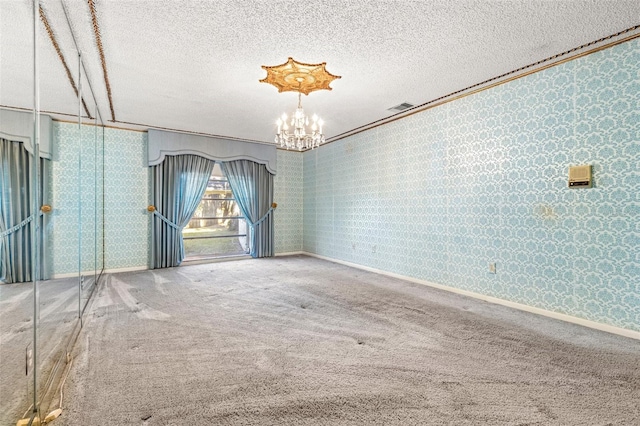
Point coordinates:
[(163, 143), (17, 126)]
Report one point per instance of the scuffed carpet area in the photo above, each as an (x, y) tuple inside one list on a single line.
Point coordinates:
[(302, 341)]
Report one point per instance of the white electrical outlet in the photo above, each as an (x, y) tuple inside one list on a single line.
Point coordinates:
[(492, 268)]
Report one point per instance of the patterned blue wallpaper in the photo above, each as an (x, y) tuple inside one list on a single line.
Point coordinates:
[(75, 155), (125, 197), (127, 233), (288, 195), (441, 194)]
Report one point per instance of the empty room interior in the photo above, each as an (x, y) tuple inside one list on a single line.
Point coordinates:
[(319, 213)]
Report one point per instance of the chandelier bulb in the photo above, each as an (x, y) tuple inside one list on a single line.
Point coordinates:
[(302, 135)]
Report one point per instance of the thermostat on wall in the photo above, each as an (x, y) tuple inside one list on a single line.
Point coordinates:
[(580, 176)]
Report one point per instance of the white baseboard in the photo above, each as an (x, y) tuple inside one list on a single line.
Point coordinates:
[(71, 275), (58, 276), (556, 315), (131, 269), (291, 253), (213, 260), (106, 271)]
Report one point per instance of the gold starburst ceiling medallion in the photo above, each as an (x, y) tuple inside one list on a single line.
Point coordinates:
[(293, 76)]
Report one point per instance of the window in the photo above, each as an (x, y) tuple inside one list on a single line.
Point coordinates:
[(217, 228)]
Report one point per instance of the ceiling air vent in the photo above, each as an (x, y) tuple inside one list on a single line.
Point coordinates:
[(401, 107)]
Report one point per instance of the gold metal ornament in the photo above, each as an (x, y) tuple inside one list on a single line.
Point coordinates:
[(45, 208), (294, 76), (151, 209)]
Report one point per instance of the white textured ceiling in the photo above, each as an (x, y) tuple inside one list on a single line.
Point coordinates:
[(194, 65)]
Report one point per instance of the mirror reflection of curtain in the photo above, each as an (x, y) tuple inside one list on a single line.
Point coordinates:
[(16, 169), (252, 187), (178, 184)]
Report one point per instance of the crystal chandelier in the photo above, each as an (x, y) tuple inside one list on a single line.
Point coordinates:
[(293, 76), (299, 135)]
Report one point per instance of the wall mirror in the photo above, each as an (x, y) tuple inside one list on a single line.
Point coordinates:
[(51, 205), (17, 288)]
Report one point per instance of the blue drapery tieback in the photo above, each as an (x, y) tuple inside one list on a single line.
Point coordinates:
[(19, 226), (167, 221), (173, 225), (253, 225)]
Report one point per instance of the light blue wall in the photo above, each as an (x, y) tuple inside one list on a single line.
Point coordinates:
[(288, 195), (125, 196), (126, 199), (75, 155), (440, 194), (63, 223)]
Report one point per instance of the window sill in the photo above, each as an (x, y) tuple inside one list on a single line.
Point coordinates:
[(213, 259)]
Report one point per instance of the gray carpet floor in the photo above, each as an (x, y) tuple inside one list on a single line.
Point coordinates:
[(302, 341), (58, 315)]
